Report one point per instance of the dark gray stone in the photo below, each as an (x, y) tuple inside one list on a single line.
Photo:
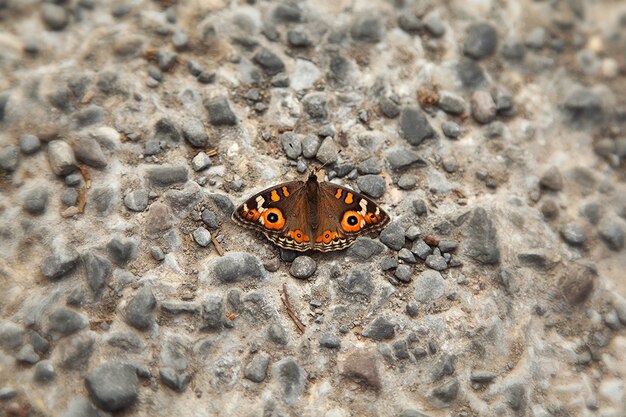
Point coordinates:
[(195, 133), (436, 261), (419, 206), (310, 145), (303, 267), (315, 105), (482, 243), (102, 199), (451, 103), (44, 371), (29, 144), (298, 38), (577, 282), (166, 131), (612, 234), (291, 145), (140, 309), (444, 366), (481, 41), (400, 349), (81, 407), (74, 351), (393, 236), (9, 158), (358, 282), (256, 369), (277, 334), (209, 219), (516, 396), (88, 151), (11, 335), (583, 105), (552, 179), (90, 115), (410, 23), (330, 341), (40, 344), (470, 73), (482, 377), (447, 391), (121, 250), (113, 386), (286, 13), (65, 321), (403, 273), (367, 28), (220, 113), (370, 166), (54, 16), (69, 196), (36, 200), (483, 107), (27, 355), (172, 379), (406, 255), (389, 108), (166, 175), (414, 126), (401, 158), (513, 50), (291, 378), (573, 234), (371, 185), (136, 200), (327, 152), (434, 25), (429, 286), (380, 329), (57, 265), (180, 307), (201, 161), (213, 312), (364, 248), (237, 266), (127, 341), (98, 270), (268, 61)]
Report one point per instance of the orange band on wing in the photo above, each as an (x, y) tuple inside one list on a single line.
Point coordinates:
[(298, 236)]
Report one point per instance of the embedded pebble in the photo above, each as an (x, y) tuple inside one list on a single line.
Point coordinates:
[(202, 236), (29, 144), (237, 266), (403, 273), (121, 251), (9, 158), (400, 158), (44, 371), (481, 40), (61, 157), (54, 16), (113, 386), (220, 114), (612, 233), (327, 152), (88, 151), (371, 185), (200, 162), (414, 126), (429, 286), (36, 200), (573, 234), (393, 236), (256, 369), (291, 145), (483, 107), (195, 133), (380, 329), (303, 267), (139, 312)]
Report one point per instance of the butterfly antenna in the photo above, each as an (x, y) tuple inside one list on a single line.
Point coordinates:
[(318, 169)]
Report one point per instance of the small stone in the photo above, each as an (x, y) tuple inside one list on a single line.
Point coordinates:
[(298, 38), (388, 263), (54, 16), (380, 329), (414, 127), (393, 236), (27, 355), (410, 23), (429, 286), (166, 175), (327, 152), (237, 266), (136, 200), (202, 236), (358, 283), (180, 40), (552, 179), (157, 253), (612, 233), (303, 267), (89, 115), (451, 103), (61, 157), (482, 377), (406, 255), (504, 102), (291, 145), (65, 321), (400, 349), (436, 262), (364, 248), (315, 105), (577, 283), (113, 386), (573, 234), (121, 251), (536, 38), (371, 185), (269, 61), (88, 151), (60, 264), (97, 271), (172, 379), (29, 144), (280, 80), (310, 145), (74, 351), (209, 218), (401, 158), (69, 196), (220, 113), (447, 391), (6, 393), (9, 158), (584, 105), (483, 107), (287, 13), (36, 200), (516, 396), (367, 28), (370, 166), (481, 41), (389, 108), (403, 273), (291, 378), (421, 249), (434, 25), (407, 182), (256, 369), (11, 335), (44, 371), (200, 162), (470, 73), (482, 242), (165, 59), (444, 366), (330, 341), (140, 310), (362, 366), (195, 133), (277, 334)]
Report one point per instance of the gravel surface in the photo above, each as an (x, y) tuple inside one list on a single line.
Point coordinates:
[(493, 133)]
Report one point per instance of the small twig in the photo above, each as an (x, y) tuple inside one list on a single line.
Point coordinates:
[(285, 299), (211, 152), (85, 174), (82, 199), (218, 246)]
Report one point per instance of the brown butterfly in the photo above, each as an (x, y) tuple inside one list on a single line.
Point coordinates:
[(304, 215)]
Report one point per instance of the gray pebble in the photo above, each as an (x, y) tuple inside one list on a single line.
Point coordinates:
[(29, 144), (447, 391), (330, 341), (36, 200), (583, 105), (380, 329), (291, 379), (409, 23), (414, 126), (287, 13), (421, 249), (165, 59), (573, 234), (315, 105), (166, 175), (180, 307), (73, 179), (256, 369), (166, 131), (74, 351), (536, 38), (89, 115), (58, 265), (69, 196), (327, 152), (419, 206), (434, 25), (470, 73), (206, 77), (280, 80), (504, 102), (450, 164), (389, 108), (97, 271), (180, 40), (172, 379), (40, 344), (200, 162), (65, 321), (407, 182), (370, 166), (310, 145), (209, 219), (358, 282), (481, 41), (102, 199), (482, 243), (552, 179), (268, 61), (140, 309), (447, 245), (220, 113), (436, 261), (364, 248), (371, 185), (213, 312), (136, 200), (292, 146), (121, 250), (194, 132), (61, 157), (393, 236), (429, 286), (400, 349), (612, 233), (54, 16), (303, 267), (113, 386), (451, 103), (367, 28), (482, 377), (237, 266), (88, 151), (277, 334), (6, 393), (401, 158), (157, 253), (9, 158), (44, 371), (403, 273), (11, 335), (298, 38), (81, 407), (483, 107), (202, 236), (413, 232), (27, 355), (513, 50)]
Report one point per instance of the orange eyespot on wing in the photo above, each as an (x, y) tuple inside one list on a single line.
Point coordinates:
[(251, 215), (372, 218), (273, 219), (327, 236), (298, 236), (352, 221)]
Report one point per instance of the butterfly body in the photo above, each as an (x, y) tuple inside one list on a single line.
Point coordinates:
[(311, 215)]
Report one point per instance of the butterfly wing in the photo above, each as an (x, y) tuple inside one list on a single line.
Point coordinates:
[(279, 212), (344, 215)]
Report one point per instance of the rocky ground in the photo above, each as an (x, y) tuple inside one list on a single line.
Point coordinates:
[(492, 132)]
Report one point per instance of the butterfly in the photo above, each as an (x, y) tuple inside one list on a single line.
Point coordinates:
[(311, 215)]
